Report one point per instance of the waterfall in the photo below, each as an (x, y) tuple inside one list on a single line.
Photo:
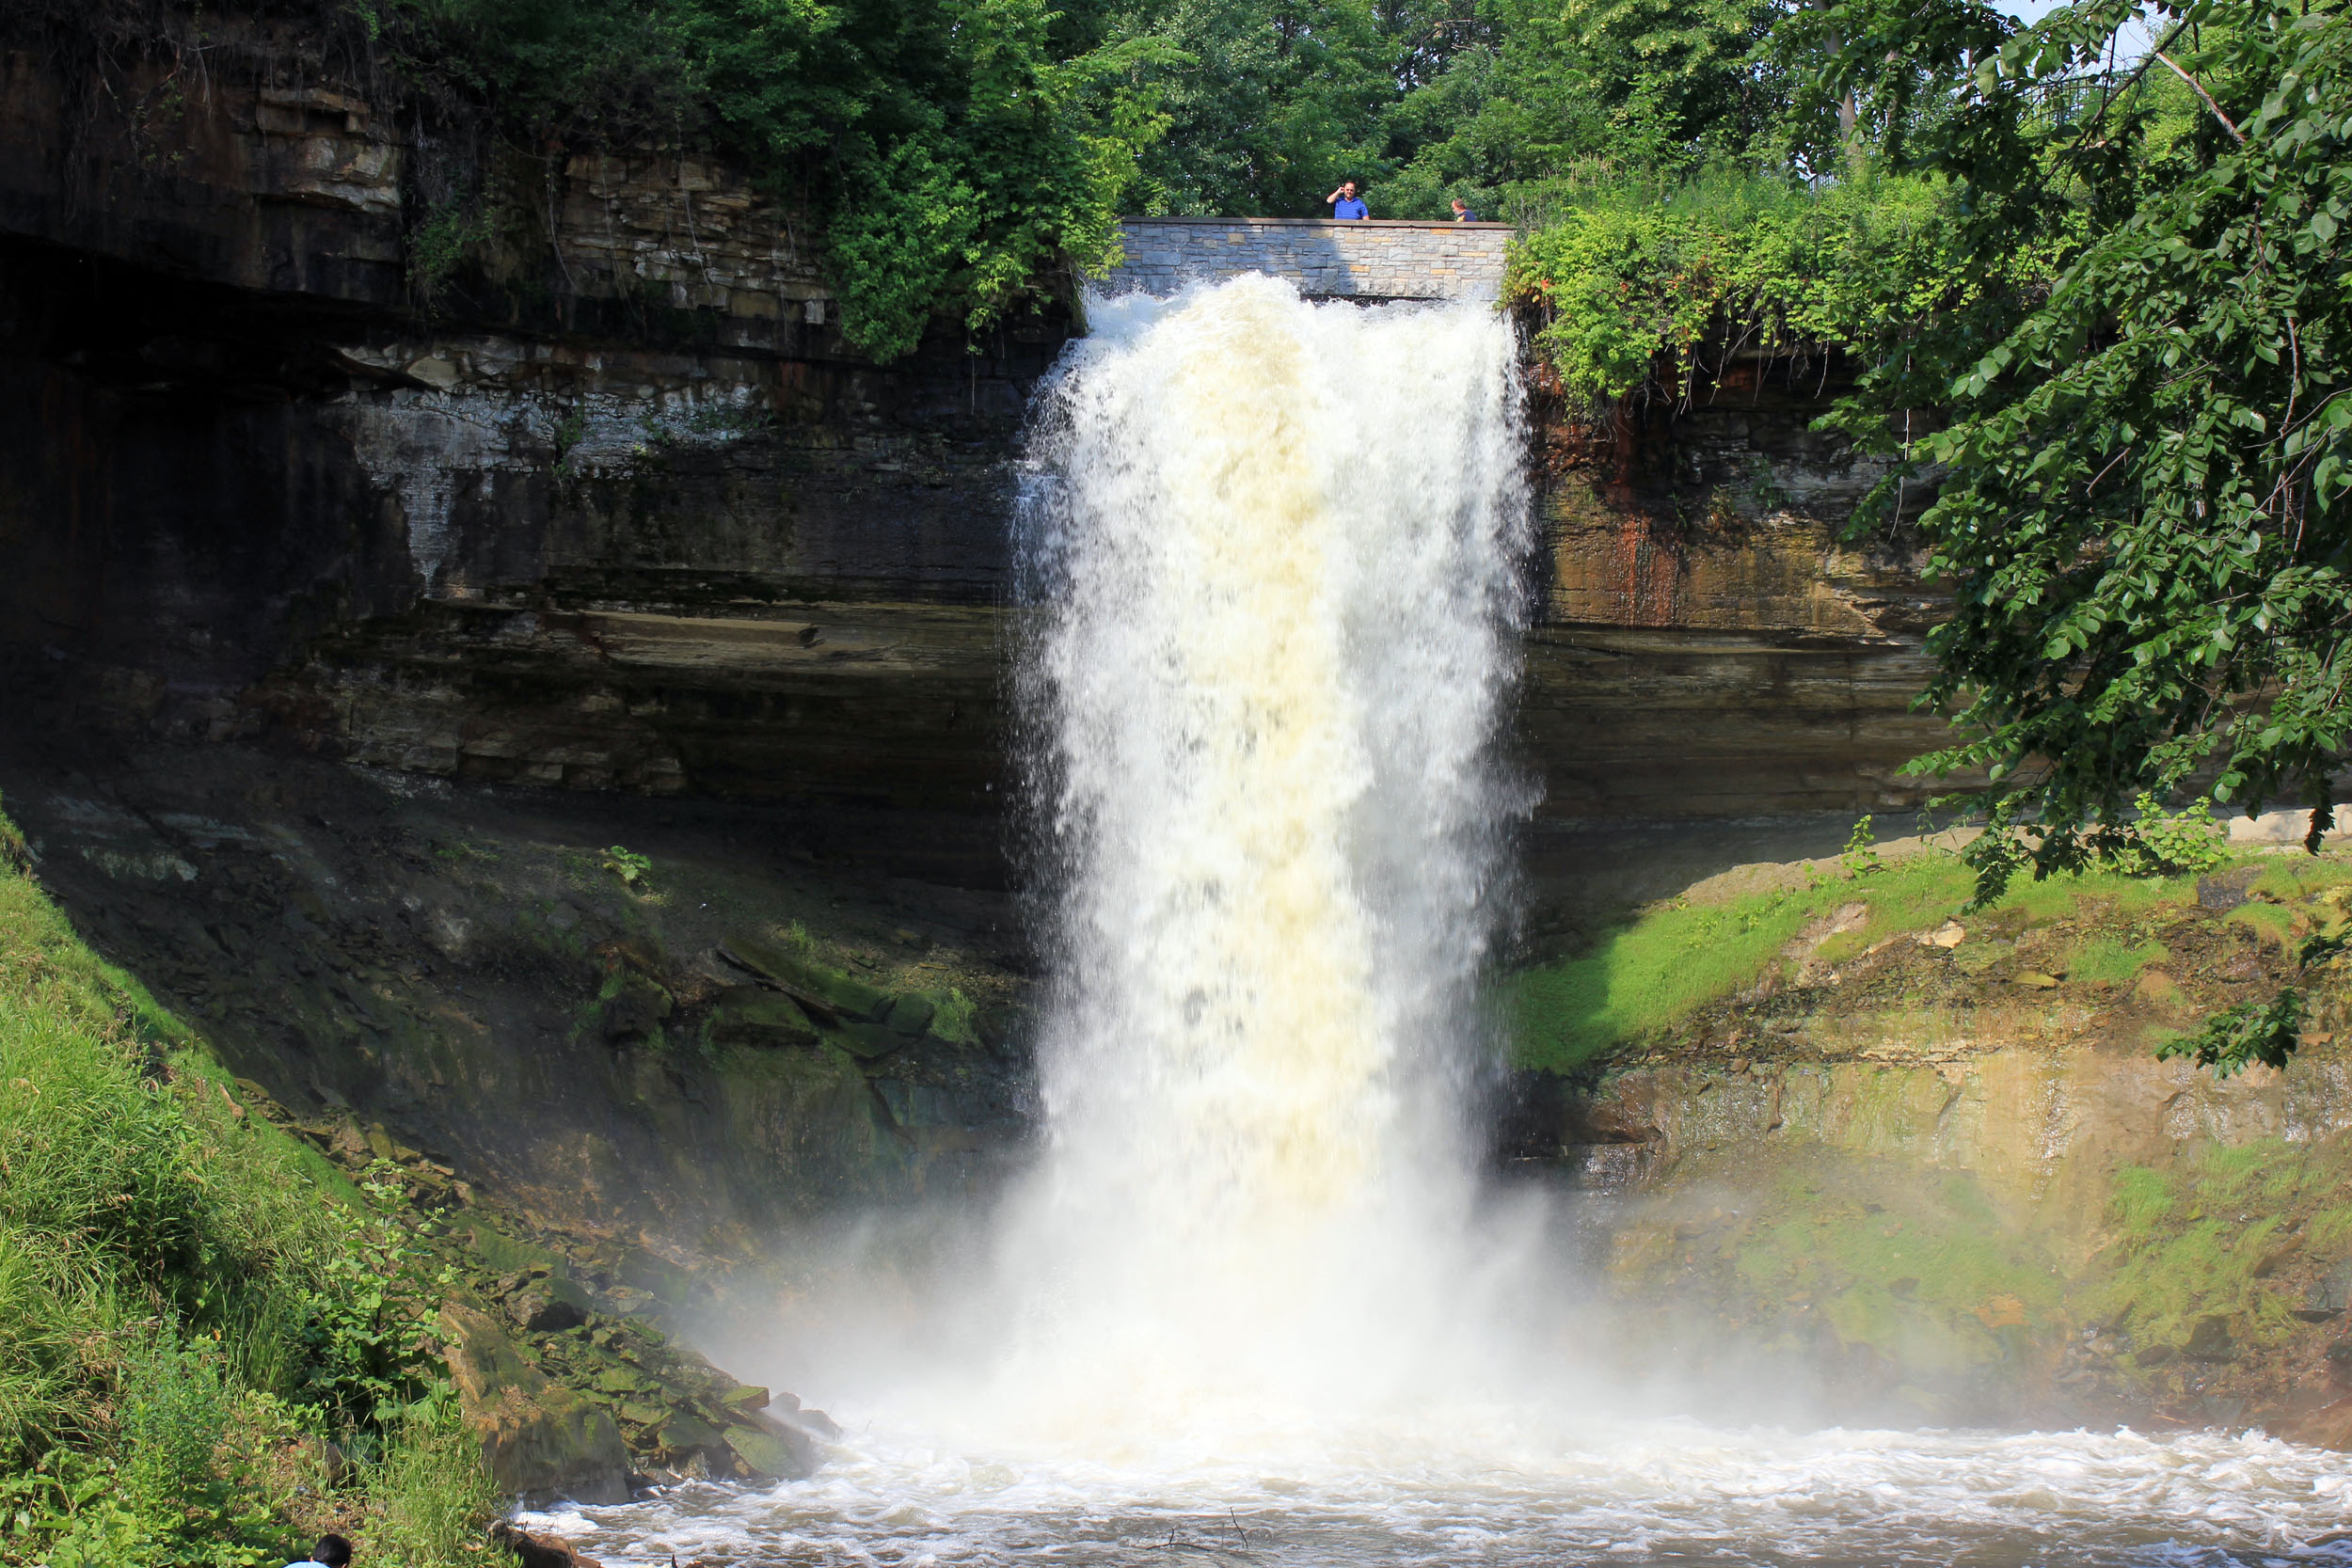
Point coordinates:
[(1273, 550)]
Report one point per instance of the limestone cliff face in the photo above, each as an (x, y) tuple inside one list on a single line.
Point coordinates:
[(551, 466), (592, 495), (1711, 643)]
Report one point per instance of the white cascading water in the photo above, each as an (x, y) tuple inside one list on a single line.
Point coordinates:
[(1274, 551), (1246, 1308)]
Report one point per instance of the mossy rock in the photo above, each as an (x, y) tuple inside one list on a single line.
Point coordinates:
[(541, 1441), (907, 1015), (625, 1380), (749, 1015), (744, 1398), (772, 1452), (869, 1041), (632, 1008), (811, 983), (548, 1303)]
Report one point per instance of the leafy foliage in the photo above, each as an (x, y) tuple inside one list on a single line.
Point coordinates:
[(1861, 856), (2238, 1037), (1561, 98), (2158, 843), (2143, 506), (1639, 287), (959, 157), (627, 865)]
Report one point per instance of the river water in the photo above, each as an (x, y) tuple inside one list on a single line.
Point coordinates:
[(1251, 1305)]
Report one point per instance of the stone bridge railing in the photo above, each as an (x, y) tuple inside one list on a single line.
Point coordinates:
[(1371, 260)]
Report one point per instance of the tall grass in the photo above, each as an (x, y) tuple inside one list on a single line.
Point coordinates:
[(171, 1270), (132, 1195)]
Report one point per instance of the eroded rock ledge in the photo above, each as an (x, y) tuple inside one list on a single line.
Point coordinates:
[(1941, 1173)]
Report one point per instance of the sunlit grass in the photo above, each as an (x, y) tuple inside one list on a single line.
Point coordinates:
[(1655, 971)]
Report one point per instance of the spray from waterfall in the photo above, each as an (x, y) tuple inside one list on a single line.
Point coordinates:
[(1273, 550)]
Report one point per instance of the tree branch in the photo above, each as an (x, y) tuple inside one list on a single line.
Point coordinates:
[(2198, 89)]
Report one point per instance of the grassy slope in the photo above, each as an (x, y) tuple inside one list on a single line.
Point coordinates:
[(182, 1321), (1675, 958)]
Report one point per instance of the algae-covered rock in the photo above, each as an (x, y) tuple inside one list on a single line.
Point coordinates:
[(772, 1451), (684, 1433), (909, 1016), (869, 1041), (635, 1007), (541, 1441), (749, 1015), (547, 1304), (745, 1398), (803, 978)]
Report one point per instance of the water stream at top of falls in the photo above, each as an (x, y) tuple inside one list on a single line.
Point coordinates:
[(1250, 1304)]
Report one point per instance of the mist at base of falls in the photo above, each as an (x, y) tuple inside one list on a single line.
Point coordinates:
[(1253, 1300)]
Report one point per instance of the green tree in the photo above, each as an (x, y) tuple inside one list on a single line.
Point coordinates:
[(1269, 104), (1596, 92), (960, 152), (2144, 473)]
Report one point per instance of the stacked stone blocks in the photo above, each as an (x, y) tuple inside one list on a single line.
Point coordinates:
[(1369, 260)]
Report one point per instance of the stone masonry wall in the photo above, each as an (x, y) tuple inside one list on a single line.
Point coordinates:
[(1375, 259)]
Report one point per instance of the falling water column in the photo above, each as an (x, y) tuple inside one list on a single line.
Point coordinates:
[(1274, 548)]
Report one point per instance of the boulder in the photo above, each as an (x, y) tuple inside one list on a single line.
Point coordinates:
[(822, 990), (755, 1016), (542, 1442), (772, 1451), (744, 1398), (547, 1304), (2328, 1295), (634, 1010), (907, 1015), (537, 1551), (815, 1422), (2210, 1340), (868, 1041)]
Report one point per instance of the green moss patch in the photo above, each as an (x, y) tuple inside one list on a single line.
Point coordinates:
[(2109, 960), (1650, 974)]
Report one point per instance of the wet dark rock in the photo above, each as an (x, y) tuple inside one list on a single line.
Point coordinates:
[(2220, 893), (542, 1441), (745, 1399), (547, 1305), (2210, 1340), (537, 1551), (636, 1007), (825, 991), (771, 1452), (755, 1016), (2338, 1360), (2153, 1355), (2327, 1296), (813, 1421)]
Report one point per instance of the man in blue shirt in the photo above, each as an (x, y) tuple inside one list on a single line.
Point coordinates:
[(333, 1551), (1462, 213), (1344, 202)]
